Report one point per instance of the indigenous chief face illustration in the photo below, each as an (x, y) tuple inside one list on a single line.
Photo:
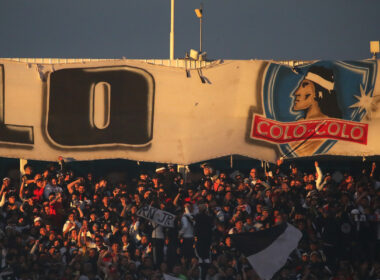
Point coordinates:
[(316, 95)]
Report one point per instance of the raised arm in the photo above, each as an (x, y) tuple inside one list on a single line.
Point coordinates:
[(3, 189), (21, 193), (373, 168), (2, 202), (70, 186), (319, 178), (81, 215), (175, 201)]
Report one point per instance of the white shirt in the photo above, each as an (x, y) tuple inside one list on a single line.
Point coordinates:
[(51, 189), (187, 230), (134, 231), (158, 231), (65, 226)]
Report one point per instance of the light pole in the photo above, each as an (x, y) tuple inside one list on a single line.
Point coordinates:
[(199, 13), (172, 30)]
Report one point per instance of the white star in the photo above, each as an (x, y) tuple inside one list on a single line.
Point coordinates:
[(365, 102)]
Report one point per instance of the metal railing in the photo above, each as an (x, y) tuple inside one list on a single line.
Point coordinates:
[(178, 63)]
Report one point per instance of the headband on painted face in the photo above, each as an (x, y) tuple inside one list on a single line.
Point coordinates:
[(320, 81)]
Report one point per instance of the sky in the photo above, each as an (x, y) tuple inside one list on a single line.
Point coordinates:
[(232, 29)]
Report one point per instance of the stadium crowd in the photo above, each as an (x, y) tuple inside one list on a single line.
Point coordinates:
[(60, 225)]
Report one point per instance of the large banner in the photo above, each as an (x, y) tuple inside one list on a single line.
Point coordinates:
[(140, 111)]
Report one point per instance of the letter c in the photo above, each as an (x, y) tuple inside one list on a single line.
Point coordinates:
[(259, 130)]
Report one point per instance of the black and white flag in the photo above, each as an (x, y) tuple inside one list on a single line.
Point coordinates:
[(267, 250)]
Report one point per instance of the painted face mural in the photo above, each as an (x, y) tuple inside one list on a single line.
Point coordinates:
[(310, 108)]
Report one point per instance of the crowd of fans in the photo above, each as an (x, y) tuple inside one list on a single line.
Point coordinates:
[(58, 225)]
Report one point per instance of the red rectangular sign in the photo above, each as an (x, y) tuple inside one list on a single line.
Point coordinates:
[(284, 132)]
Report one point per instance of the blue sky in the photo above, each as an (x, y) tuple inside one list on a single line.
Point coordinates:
[(233, 29)]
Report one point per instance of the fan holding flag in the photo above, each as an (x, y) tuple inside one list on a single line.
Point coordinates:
[(268, 250)]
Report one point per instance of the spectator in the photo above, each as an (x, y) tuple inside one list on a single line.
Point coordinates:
[(186, 233), (58, 224)]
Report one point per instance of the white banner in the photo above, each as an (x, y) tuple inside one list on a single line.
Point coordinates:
[(136, 110), (158, 216)]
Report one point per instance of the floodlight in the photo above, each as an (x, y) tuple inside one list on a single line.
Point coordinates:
[(194, 54), (374, 48), (199, 13)]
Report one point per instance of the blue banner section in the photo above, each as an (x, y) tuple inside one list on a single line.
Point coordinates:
[(324, 89)]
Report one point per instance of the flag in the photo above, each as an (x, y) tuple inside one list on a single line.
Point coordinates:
[(267, 250)]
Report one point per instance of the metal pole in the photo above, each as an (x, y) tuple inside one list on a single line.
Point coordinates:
[(200, 29), (200, 35), (172, 31)]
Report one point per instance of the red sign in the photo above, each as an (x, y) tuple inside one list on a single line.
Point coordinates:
[(284, 132)]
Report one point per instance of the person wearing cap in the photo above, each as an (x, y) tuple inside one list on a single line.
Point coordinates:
[(37, 222)]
